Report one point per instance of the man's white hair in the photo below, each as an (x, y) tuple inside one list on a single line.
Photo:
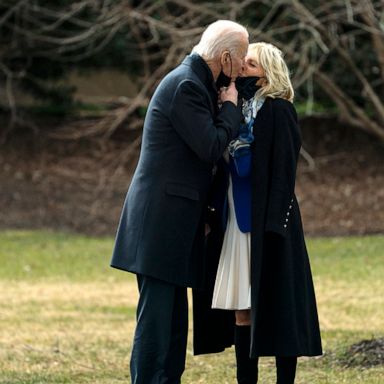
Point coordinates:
[(220, 36)]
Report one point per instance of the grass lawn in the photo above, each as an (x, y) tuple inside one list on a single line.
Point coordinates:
[(66, 317)]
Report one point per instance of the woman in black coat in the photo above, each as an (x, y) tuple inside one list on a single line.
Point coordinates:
[(258, 267)]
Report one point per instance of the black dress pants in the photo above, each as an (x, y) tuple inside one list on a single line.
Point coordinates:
[(160, 341)]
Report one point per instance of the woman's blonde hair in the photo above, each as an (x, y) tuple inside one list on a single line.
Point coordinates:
[(276, 71)]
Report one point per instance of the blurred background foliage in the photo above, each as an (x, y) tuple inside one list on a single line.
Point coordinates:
[(335, 51)]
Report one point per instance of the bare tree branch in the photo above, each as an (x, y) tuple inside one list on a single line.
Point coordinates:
[(312, 35)]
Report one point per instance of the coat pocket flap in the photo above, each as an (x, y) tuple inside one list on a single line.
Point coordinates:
[(182, 191)]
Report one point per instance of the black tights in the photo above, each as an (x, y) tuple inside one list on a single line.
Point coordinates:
[(247, 371), (286, 369)]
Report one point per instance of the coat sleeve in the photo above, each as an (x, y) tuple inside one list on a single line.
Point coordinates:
[(285, 151), (191, 117)]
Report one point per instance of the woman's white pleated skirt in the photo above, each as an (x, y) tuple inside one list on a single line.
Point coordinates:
[(233, 286)]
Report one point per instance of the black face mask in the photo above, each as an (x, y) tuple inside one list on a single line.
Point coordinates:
[(246, 86), (223, 80)]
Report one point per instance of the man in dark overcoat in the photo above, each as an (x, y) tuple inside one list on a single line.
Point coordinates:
[(161, 232)]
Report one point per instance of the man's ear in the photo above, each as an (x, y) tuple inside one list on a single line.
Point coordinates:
[(225, 58)]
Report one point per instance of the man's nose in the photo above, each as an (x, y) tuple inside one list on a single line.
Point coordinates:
[(242, 68)]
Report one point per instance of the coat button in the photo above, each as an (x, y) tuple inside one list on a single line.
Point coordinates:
[(287, 213), (285, 225), (290, 207), (286, 220)]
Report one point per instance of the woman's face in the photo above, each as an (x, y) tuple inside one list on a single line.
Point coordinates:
[(253, 68)]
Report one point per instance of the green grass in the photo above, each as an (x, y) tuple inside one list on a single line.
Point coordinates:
[(31, 256), (67, 317)]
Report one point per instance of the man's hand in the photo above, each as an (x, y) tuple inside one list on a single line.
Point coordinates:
[(229, 93)]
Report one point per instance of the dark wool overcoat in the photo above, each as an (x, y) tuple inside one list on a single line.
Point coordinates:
[(161, 230), (284, 319)]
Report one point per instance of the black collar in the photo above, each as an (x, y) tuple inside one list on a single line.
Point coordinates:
[(201, 68)]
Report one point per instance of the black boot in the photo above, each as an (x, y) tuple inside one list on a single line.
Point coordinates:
[(286, 369), (246, 368)]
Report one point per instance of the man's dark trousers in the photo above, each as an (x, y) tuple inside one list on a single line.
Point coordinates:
[(160, 342)]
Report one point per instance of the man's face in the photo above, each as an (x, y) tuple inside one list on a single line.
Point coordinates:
[(239, 60), (234, 66)]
